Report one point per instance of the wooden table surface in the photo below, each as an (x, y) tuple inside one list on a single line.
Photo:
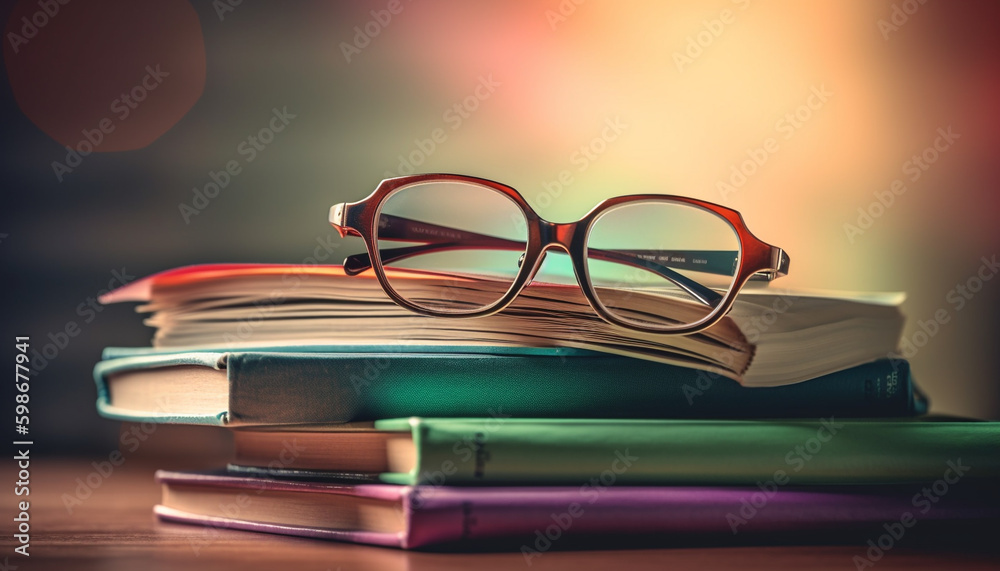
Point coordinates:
[(114, 529)]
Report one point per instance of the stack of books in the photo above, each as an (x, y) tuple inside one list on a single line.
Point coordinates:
[(354, 419)]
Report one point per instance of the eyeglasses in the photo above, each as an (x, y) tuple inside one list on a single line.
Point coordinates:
[(458, 246)]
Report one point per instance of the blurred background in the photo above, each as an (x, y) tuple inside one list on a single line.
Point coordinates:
[(860, 136)]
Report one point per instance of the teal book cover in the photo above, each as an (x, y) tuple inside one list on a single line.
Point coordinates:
[(279, 387)]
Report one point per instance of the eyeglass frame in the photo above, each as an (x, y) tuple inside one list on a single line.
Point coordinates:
[(757, 259)]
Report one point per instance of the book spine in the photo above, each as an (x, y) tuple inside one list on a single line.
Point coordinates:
[(441, 515), (271, 389), (772, 454)]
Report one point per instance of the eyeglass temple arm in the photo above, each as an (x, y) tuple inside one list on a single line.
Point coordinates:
[(398, 228), (358, 263), (720, 262)]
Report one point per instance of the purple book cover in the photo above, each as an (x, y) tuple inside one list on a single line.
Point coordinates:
[(438, 514)]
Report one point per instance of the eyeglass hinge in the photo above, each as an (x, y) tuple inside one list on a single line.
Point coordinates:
[(337, 218), (780, 262)]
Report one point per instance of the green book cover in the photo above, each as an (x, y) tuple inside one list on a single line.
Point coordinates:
[(506, 451), (274, 387)]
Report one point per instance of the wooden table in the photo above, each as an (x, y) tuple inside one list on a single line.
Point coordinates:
[(114, 529)]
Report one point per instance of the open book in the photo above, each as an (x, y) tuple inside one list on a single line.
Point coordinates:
[(772, 336)]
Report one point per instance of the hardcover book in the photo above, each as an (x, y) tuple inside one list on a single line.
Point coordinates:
[(343, 384), (499, 451), (770, 337), (421, 516)]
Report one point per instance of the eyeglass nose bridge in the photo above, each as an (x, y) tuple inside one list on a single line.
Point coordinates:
[(558, 235), (552, 235)]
